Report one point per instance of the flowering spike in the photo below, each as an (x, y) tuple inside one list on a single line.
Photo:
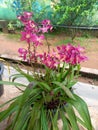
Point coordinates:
[(33, 34)]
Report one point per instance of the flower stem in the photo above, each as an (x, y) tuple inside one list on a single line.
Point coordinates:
[(48, 44)]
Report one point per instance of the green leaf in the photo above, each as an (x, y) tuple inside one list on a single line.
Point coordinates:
[(65, 121), (25, 126), (29, 77), (35, 115), (82, 109), (11, 109), (66, 90), (81, 122), (15, 76), (44, 121), (12, 83), (66, 73), (2, 105), (71, 117), (22, 100), (44, 86), (54, 120), (23, 117), (34, 96)]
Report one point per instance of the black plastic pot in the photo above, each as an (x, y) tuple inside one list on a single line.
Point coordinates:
[(1, 73)]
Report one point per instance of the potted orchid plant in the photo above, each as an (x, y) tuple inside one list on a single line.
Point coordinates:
[(48, 96)]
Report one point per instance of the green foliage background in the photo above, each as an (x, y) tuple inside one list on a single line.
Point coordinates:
[(67, 12), (75, 12)]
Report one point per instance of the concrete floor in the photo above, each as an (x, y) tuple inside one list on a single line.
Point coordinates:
[(90, 94)]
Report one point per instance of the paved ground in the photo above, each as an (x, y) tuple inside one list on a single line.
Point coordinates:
[(88, 92)]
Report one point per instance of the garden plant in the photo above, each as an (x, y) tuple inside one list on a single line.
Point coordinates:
[(48, 96)]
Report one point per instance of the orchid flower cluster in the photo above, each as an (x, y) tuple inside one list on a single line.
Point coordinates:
[(33, 34)]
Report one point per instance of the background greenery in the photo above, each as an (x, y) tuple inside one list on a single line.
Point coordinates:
[(67, 12)]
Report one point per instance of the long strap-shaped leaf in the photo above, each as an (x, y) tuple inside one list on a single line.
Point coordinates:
[(44, 121), (12, 83), (71, 116), (29, 77), (66, 125), (21, 104), (82, 109), (67, 91), (11, 109)]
